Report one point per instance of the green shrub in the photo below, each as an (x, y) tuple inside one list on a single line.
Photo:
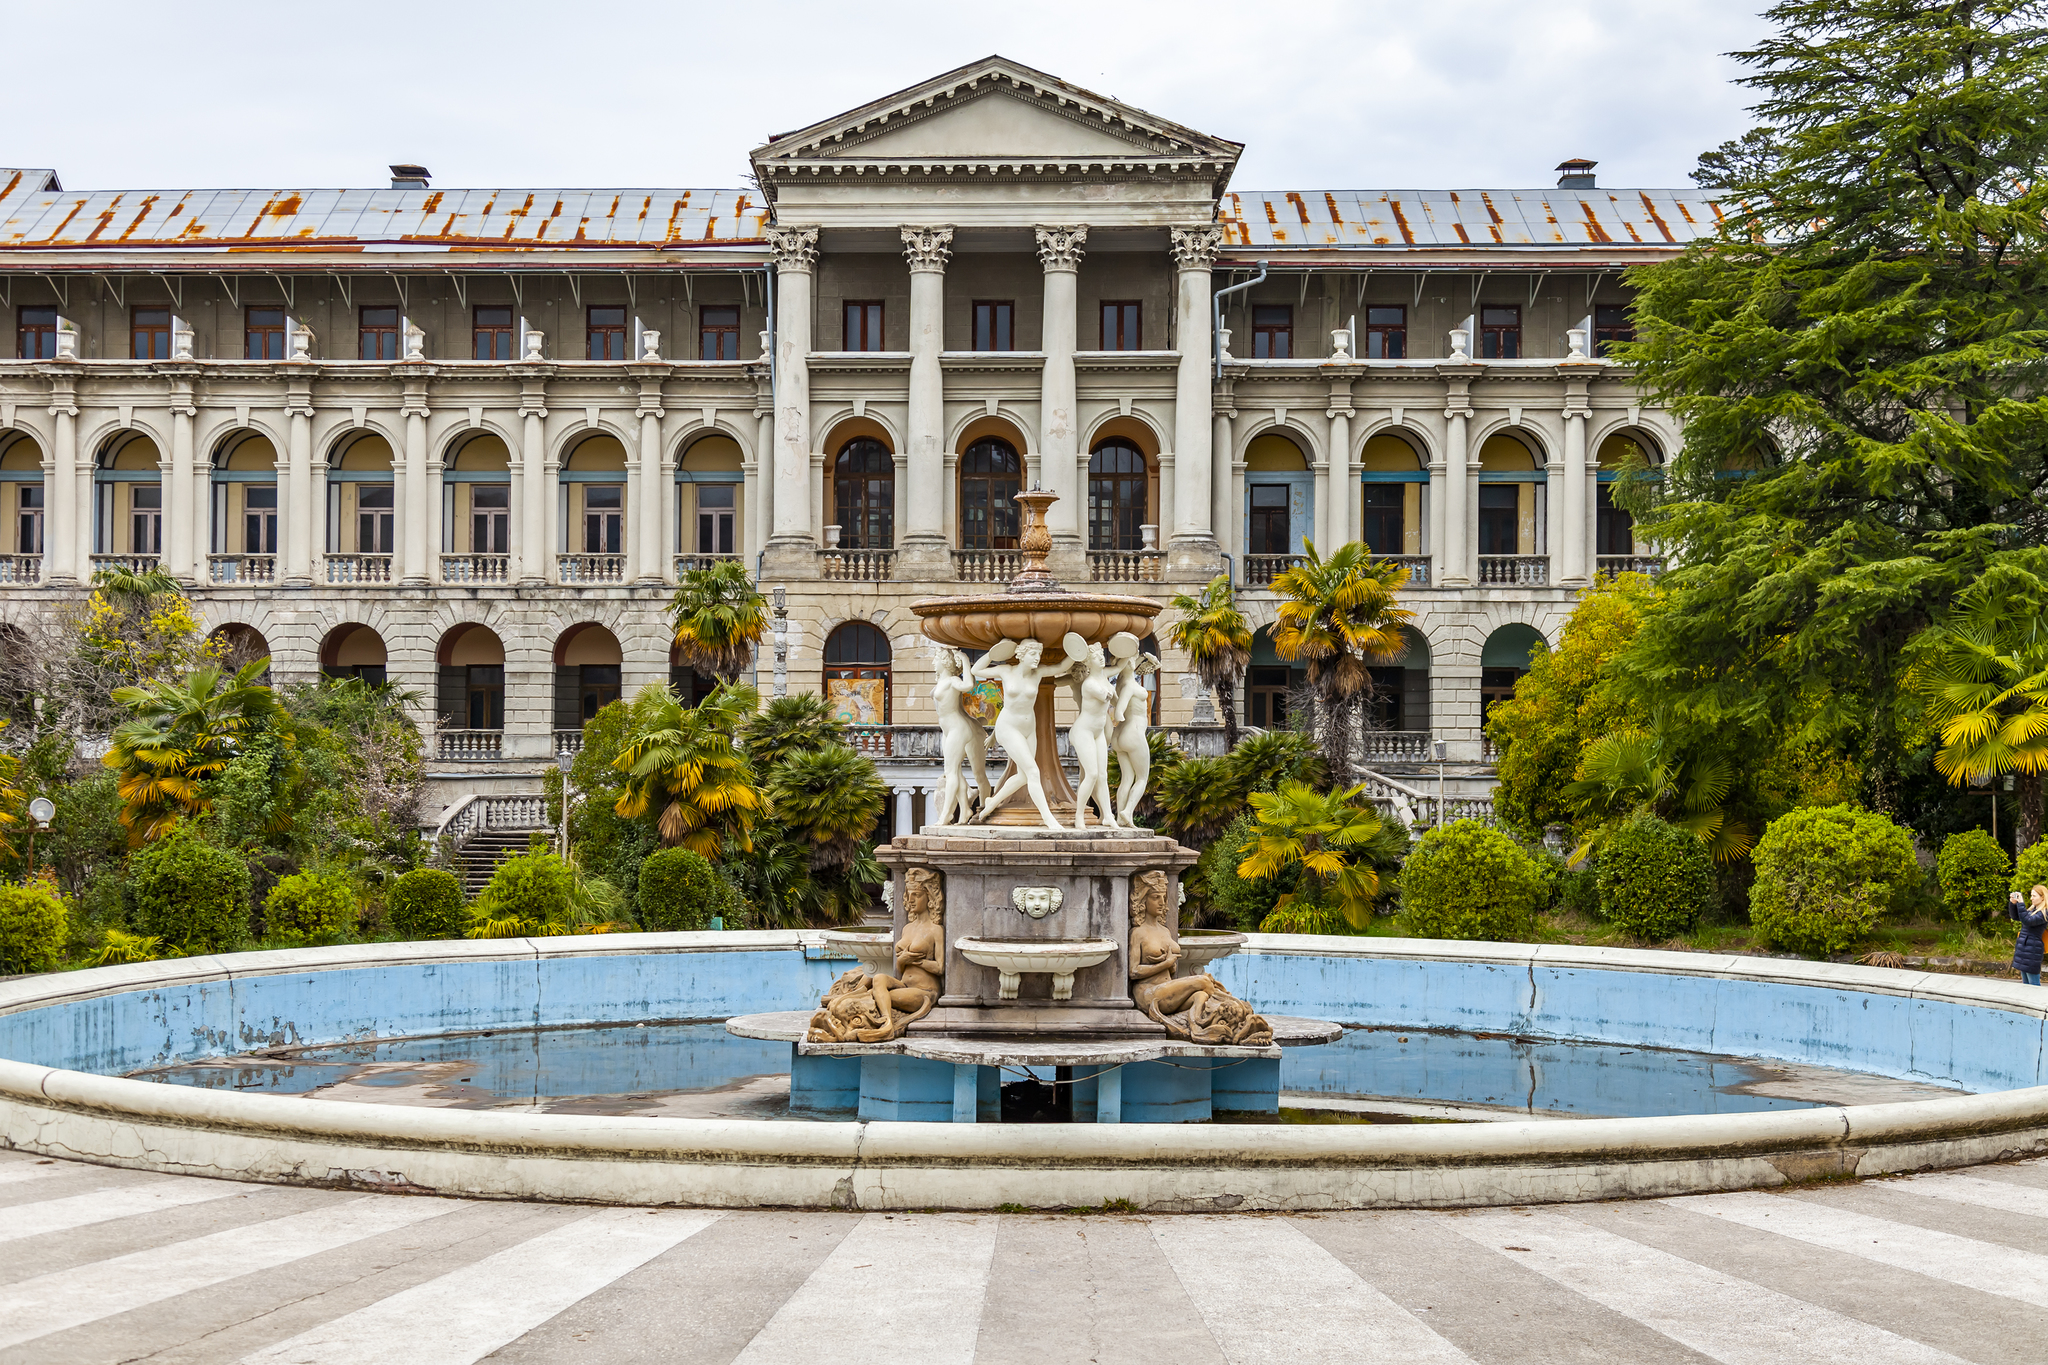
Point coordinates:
[(425, 904), (1576, 891), (1467, 880), (1653, 879), (2032, 870), (1243, 902), (1298, 918), (33, 927), (193, 896), (311, 907), (1825, 875), (1973, 871), (528, 895), (680, 892)]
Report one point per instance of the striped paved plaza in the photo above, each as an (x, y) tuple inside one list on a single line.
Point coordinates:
[(108, 1265)]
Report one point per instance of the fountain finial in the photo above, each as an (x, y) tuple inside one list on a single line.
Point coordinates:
[(1035, 541)]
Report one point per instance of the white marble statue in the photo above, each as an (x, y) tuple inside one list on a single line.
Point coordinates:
[(1020, 671), (1094, 694), (1132, 719), (960, 738)]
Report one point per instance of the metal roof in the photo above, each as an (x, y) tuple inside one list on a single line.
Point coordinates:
[(35, 218), (1456, 218)]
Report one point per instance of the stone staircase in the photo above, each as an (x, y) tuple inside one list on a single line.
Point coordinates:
[(484, 851), (486, 830)]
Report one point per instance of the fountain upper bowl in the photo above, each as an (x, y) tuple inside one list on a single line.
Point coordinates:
[(979, 622)]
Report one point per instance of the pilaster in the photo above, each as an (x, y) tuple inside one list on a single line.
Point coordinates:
[(791, 547), (1059, 251), (1192, 548), (922, 550)]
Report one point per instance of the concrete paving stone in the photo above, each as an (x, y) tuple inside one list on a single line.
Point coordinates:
[(1479, 1299), (1915, 1205), (1087, 1289), (32, 1185), (97, 1242)]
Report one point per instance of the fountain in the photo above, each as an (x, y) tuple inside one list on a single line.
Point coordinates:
[(1035, 927)]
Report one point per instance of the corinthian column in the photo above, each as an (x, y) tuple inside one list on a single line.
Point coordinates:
[(1568, 553), (790, 546), (184, 550), (1454, 559), (1193, 550), (67, 541), (1059, 251), (923, 552), (413, 506)]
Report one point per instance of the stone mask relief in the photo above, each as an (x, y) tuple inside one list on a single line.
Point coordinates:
[(1036, 901)]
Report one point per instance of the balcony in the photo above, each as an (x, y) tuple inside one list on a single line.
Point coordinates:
[(476, 568), (691, 563), (856, 566), (242, 568), (358, 568), (123, 563), (1126, 566), (21, 568), (1416, 565), (1399, 746), (583, 569), (568, 743), (469, 744), (1261, 570), (1514, 571), (1614, 564), (987, 566)]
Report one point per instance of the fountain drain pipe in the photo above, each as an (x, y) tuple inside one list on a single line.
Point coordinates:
[(1216, 318)]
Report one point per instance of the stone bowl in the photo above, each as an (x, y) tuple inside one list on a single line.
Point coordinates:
[(979, 622), (874, 947), (1200, 947)]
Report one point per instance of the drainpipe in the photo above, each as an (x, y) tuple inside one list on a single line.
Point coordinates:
[(1229, 571), (1216, 321)]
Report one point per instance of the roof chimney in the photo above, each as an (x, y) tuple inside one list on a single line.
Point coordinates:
[(406, 177), (1573, 173)]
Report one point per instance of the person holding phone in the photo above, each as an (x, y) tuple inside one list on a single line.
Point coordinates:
[(2033, 918)]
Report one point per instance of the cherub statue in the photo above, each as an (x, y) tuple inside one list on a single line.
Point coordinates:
[(1196, 1008), (960, 737), (1132, 719), (872, 1009), (1020, 671), (1094, 695)]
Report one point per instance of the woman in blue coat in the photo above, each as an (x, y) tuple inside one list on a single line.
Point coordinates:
[(2033, 918)]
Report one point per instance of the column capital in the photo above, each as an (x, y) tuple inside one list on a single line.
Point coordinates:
[(1195, 248), (928, 248), (1060, 248), (63, 410), (1465, 411), (795, 248)]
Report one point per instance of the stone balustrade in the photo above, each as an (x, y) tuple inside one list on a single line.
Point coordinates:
[(241, 568), (358, 568), (1519, 571), (1126, 566), (476, 568), (469, 744), (857, 566)]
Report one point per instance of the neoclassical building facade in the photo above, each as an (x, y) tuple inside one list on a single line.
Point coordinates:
[(466, 440)]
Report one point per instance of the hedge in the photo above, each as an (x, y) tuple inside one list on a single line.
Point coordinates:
[(1653, 879), (190, 894), (311, 907), (425, 904), (680, 892), (1825, 875), (33, 927), (1467, 880), (1973, 871)]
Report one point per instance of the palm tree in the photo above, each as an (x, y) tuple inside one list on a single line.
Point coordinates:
[(1324, 834), (829, 799), (683, 766), (1985, 680), (1340, 614), (1630, 772), (180, 734), (1197, 798), (719, 618), (1218, 642), (800, 723)]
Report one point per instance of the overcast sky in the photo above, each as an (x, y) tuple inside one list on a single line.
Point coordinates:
[(1415, 94)]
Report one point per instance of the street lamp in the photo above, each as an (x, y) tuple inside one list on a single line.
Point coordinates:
[(42, 810), (1442, 751), (565, 761)]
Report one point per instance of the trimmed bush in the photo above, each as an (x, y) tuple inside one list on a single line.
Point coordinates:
[(1467, 880), (311, 907), (2032, 870), (425, 904), (681, 892), (1297, 918), (1973, 871), (191, 895), (33, 927), (1653, 879), (1826, 875), (527, 895)]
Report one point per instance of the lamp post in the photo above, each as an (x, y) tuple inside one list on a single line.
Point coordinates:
[(564, 762), (1442, 751), (41, 810)]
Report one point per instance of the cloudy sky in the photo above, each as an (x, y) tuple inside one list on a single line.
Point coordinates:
[(1413, 94)]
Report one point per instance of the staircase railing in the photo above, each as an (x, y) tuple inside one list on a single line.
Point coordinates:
[(1416, 808), (475, 813)]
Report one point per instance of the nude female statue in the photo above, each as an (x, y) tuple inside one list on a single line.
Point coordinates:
[(873, 1009), (1094, 694), (1197, 1008), (960, 737), (1133, 749), (1017, 722)]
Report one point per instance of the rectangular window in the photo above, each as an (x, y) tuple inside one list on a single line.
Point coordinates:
[(599, 686), (149, 331), (35, 335), (1269, 519), (718, 333), (375, 513), (1385, 504), (1611, 324), (1496, 685), (1266, 696), (607, 331), (604, 519), (486, 687), (863, 326), (714, 519), (1386, 333), (1122, 328), (1499, 517), (263, 334), (490, 519), (259, 519), (1387, 686), (30, 527), (992, 325), (1272, 331), (1615, 530), (146, 513), (377, 334), (1500, 332), (490, 331)]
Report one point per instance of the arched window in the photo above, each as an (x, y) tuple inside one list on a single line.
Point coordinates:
[(1116, 496), (857, 674), (864, 485), (989, 474)]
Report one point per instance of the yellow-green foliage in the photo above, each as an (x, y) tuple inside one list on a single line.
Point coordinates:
[(33, 926), (681, 892), (1973, 870), (426, 903), (188, 893), (1654, 879), (2032, 870), (1825, 875), (1468, 881), (311, 907)]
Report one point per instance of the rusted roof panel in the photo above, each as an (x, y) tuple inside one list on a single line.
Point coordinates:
[(36, 218), (1452, 218)]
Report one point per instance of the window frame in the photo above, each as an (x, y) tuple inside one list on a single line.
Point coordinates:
[(859, 670), (259, 524), (1255, 515), (151, 338), (152, 517), (1607, 330), (1500, 340), (597, 521), (872, 506), (599, 336), (1115, 335), (1394, 509), (872, 318), (375, 517), (1266, 333), (371, 340), (1000, 327), (263, 341), (29, 525), (486, 339), (721, 523), (1385, 340), (495, 522), (1607, 519), (489, 691), (24, 330), (1491, 516), (1112, 513), (712, 336), (1002, 524), (1259, 685)]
